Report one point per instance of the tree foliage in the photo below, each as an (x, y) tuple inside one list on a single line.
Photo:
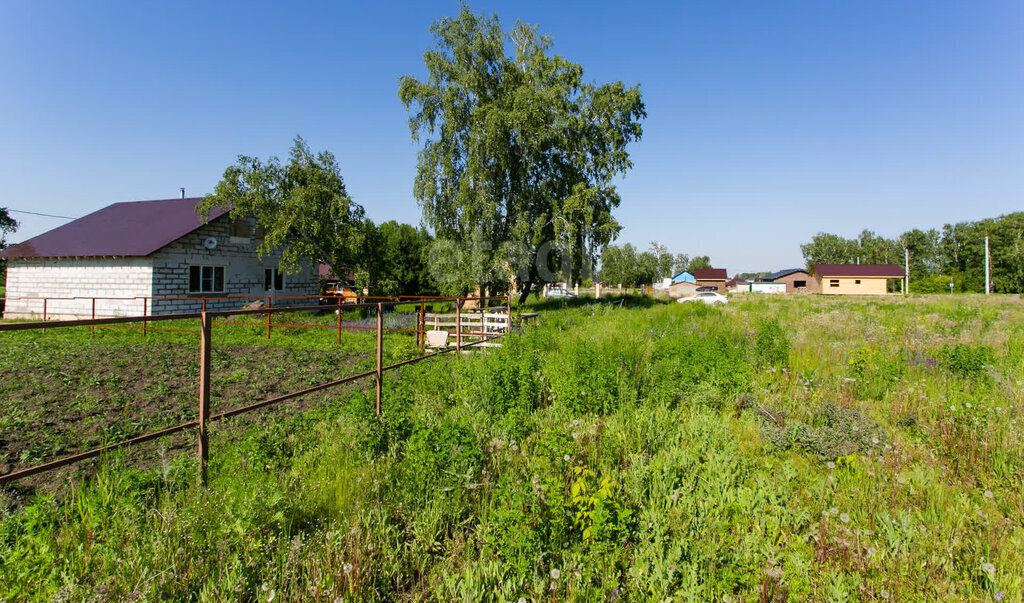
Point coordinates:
[(7, 226), (302, 206), (518, 154), (394, 259), (627, 265)]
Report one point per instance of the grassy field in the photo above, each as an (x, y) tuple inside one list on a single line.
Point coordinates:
[(779, 448)]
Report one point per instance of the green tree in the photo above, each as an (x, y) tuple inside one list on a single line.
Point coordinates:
[(302, 206), (681, 263), (394, 259), (7, 226), (828, 248), (619, 265), (663, 260), (518, 156), (699, 262), (925, 260)]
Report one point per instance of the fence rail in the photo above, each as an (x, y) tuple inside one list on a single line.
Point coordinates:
[(205, 330)]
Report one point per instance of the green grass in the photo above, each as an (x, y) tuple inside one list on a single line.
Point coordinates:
[(806, 448)]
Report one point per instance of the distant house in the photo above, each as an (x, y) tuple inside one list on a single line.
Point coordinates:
[(684, 277), (714, 277), (682, 289), (737, 285), (133, 254), (855, 279), (766, 287), (797, 280)]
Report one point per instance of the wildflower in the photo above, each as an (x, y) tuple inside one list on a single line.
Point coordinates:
[(884, 594), (830, 465), (566, 458), (967, 404), (522, 599), (831, 479), (999, 595), (674, 497), (555, 573), (265, 587), (514, 447), (988, 568), (988, 494), (843, 517), (952, 408), (834, 511), (871, 551), (271, 595), (900, 480), (874, 439), (347, 568)]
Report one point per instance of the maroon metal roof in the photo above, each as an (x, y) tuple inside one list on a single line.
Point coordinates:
[(327, 274), (710, 274), (134, 228), (854, 270)]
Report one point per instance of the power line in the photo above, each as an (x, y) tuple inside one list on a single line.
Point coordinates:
[(22, 211)]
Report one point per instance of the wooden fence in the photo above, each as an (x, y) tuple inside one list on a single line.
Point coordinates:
[(489, 332)]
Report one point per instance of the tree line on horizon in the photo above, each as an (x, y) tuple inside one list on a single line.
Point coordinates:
[(956, 251), (632, 267)]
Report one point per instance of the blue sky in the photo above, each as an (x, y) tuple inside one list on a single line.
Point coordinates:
[(767, 121)]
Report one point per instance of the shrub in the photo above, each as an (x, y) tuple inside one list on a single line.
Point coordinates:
[(443, 456), (771, 345), (834, 432), (966, 360)]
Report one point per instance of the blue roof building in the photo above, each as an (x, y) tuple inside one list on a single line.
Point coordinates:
[(684, 277)]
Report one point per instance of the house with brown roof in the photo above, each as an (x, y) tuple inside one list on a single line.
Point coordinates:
[(154, 256), (855, 279), (797, 280), (714, 277)]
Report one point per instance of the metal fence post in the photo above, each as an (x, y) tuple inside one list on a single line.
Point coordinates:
[(145, 311), (422, 325), (508, 305), (92, 328), (268, 318), (380, 352), (458, 326), (205, 334), (339, 320), (44, 314)]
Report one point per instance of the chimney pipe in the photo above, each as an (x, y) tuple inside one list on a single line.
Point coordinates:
[(183, 192)]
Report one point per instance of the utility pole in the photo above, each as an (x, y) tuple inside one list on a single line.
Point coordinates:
[(906, 272), (988, 282)]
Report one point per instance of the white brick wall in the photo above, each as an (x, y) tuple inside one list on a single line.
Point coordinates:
[(243, 271), (162, 274), (29, 281)]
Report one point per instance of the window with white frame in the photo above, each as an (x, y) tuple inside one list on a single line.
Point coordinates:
[(273, 280), (206, 279)]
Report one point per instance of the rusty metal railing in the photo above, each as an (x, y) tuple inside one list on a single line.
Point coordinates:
[(206, 343)]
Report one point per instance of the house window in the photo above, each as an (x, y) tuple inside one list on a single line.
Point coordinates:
[(206, 279), (239, 229), (833, 283), (258, 231), (856, 282), (273, 280), (799, 284)]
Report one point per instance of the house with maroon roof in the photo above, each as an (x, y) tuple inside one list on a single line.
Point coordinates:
[(160, 257), (713, 277), (855, 279)]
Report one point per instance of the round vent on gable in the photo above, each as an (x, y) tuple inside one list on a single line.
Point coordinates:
[(210, 243)]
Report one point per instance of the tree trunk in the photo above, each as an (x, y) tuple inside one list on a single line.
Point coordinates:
[(527, 286)]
